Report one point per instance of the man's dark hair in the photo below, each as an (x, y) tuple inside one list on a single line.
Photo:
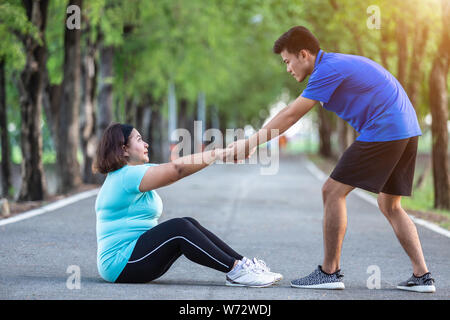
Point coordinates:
[(296, 39)]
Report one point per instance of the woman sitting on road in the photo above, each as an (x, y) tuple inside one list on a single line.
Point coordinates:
[(132, 246)]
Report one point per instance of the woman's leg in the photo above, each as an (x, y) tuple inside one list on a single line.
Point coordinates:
[(158, 248), (217, 241)]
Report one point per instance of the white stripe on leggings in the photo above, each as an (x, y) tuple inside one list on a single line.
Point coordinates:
[(179, 237)]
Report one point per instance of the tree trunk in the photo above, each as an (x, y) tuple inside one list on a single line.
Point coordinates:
[(383, 46), (439, 113), (67, 166), (183, 114), (151, 136), (87, 114), (415, 70), (156, 136), (31, 85), (345, 135), (224, 124), (186, 119), (6, 154), (127, 56), (138, 122), (105, 96), (325, 129), (129, 110), (402, 50), (214, 115), (51, 100)]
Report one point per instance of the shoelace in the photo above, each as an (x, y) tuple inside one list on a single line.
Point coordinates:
[(261, 265), (248, 265)]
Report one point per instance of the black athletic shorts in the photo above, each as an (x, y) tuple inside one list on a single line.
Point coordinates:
[(385, 166)]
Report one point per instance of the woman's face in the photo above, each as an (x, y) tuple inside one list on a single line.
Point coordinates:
[(136, 149)]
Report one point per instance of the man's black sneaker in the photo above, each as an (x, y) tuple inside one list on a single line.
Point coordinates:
[(424, 284), (320, 280)]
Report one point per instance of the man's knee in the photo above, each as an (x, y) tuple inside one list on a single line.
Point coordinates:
[(334, 190), (389, 204)]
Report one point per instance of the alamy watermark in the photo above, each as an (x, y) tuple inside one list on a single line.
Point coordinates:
[(73, 21), (374, 280), (374, 20), (267, 155), (73, 282)]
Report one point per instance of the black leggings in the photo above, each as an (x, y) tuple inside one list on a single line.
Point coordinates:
[(158, 248)]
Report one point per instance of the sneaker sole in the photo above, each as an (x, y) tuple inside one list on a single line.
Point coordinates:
[(237, 284), (421, 289), (329, 286), (277, 279)]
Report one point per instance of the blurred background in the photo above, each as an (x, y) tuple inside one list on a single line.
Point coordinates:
[(70, 68)]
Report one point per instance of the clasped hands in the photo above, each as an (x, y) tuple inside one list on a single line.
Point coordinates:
[(236, 151)]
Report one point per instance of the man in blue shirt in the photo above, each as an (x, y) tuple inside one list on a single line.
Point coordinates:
[(381, 160)]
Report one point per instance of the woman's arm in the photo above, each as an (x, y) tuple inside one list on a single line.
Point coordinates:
[(168, 173)]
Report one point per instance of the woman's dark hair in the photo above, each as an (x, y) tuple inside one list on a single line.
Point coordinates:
[(296, 39), (110, 154)]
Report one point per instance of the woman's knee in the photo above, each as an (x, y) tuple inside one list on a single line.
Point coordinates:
[(182, 225), (192, 220)]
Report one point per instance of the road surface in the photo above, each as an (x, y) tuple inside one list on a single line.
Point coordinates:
[(276, 218)]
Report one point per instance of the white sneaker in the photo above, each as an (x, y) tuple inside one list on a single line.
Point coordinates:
[(249, 276), (261, 265)]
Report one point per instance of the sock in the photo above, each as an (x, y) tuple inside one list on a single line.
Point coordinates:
[(236, 268)]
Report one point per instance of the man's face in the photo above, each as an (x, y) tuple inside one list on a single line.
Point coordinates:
[(298, 65)]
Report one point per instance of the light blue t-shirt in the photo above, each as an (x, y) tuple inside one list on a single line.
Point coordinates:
[(123, 215), (364, 94)]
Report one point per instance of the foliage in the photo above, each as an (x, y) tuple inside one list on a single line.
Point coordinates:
[(221, 48)]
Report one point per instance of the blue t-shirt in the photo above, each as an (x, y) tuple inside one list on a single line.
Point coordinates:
[(123, 215), (364, 94)]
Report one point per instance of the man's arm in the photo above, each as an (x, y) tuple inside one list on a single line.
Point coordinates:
[(285, 119)]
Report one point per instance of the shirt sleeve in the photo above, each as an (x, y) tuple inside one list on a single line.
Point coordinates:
[(322, 84), (133, 176)]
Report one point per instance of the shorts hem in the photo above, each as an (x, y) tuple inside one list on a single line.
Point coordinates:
[(356, 185), (371, 189), (402, 194)]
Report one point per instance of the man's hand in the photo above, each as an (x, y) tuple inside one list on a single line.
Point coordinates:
[(284, 119)]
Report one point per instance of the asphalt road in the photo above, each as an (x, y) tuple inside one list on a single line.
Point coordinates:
[(276, 218)]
